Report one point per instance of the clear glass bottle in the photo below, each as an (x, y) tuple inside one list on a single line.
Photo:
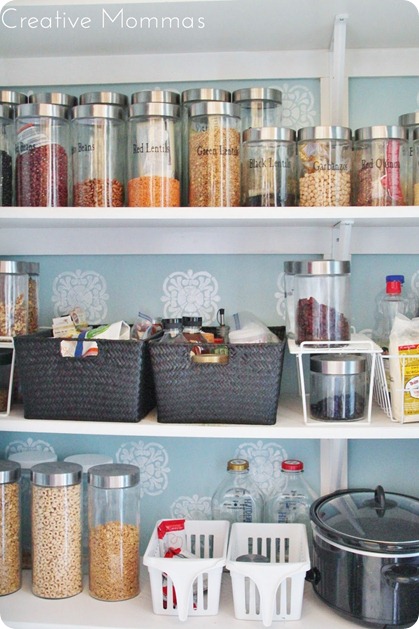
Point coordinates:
[(322, 301), (411, 123), (338, 387), (156, 96), (10, 518), (13, 298), (237, 498), (154, 155), (214, 155), (114, 531), (42, 156), (7, 141), (259, 106), (56, 530), (27, 460), (32, 269), (291, 267), (380, 166), (269, 167), (325, 161), (172, 331)]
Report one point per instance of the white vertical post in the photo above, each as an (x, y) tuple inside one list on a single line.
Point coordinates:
[(333, 465), (338, 78), (341, 240)]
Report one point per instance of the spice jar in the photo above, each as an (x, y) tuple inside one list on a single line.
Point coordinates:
[(42, 155), (322, 301), (98, 149), (13, 298), (411, 123), (10, 563), (114, 531), (259, 106), (291, 267), (27, 460), (338, 387), (416, 168), (32, 269), (154, 155), (6, 155), (54, 98), (380, 166), (56, 530), (269, 167), (214, 155), (156, 96), (324, 156)]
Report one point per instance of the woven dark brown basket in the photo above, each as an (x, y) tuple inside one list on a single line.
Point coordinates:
[(244, 391), (116, 385)]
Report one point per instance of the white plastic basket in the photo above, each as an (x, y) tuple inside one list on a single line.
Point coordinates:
[(189, 587), (274, 590)]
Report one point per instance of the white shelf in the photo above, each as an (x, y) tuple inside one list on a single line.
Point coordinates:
[(289, 425), (23, 610)]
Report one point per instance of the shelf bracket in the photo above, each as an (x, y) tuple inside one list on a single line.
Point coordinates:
[(338, 79), (341, 240)]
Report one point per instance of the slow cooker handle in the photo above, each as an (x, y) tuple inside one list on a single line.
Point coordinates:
[(401, 574)]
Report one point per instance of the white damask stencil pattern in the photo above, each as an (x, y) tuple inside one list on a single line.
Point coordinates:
[(191, 507), (297, 106), (36, 445), (280, 296), (191, 294), (84, 289), (264, 463), (152, 459)]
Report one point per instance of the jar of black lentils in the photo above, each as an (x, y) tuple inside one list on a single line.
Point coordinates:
[(6, 155)]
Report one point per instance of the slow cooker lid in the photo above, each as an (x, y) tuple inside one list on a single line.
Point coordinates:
[(369, 520)]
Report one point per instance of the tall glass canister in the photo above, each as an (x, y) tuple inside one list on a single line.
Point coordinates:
[(154, 155), (6, 155), (13, 298), (259, 106), (42, 155), (416, 167), (114, 531), (10, 554), (380, 166), (99, 155), (325, 161), (411, 123), (214, 155)]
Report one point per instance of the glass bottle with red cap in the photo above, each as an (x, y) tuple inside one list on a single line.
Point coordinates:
[(391, 304)]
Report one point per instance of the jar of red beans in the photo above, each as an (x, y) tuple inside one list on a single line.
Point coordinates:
[(42, 155), (322, 301)]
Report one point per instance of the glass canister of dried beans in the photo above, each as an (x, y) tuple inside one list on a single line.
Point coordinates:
[(322, 301), (10, 525), (380, 166), (324, 158), (268, 177), (154, 155), (259, 106), (56, 530), (6, 155), (214, 155), (411, 123), (98, 155), (42, 155)]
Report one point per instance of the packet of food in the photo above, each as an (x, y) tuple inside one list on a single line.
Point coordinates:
[(404, 369)]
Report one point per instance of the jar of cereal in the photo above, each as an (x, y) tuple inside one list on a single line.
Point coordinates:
[(10, 562)]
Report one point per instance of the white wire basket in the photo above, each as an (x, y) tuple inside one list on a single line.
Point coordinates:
[(273, 590)]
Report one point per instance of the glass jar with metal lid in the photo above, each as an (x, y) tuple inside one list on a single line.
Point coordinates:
[(42, 155), (338, 387), (53, 98), (410, 122), (13, 298), (156, 96), (416, 167), (99, 155), (214, 155), (325, 159), (268, 177), (322, 301), (154, 155), (32, 269), (12, 98), (7, 141), (380, 166), (56, 530), (114, 531), (291, 267), (259, 106), (10, 519)]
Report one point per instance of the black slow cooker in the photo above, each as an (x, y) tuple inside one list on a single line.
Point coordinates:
[(366, 556)]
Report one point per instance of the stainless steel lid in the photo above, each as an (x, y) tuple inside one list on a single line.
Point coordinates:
[(7, 111), (104, 98), (10, 472), (205, 93), (155, 96), (324, 267), (381, 132), (113, 112), (291, 267), (154, 109), (12, 267), (42, 109), (409, 120), (114, 476), (56, 474), (54, 98), (324, 133), (257, 93), (338, 364), (32, 268), (9, 97), (279, 134), (214, 108)]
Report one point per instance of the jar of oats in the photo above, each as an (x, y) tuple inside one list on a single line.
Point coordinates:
[(32, 269), (10, 561), (324, 157), (13, 298), (214, 155), (114, 531), (56, 530)]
